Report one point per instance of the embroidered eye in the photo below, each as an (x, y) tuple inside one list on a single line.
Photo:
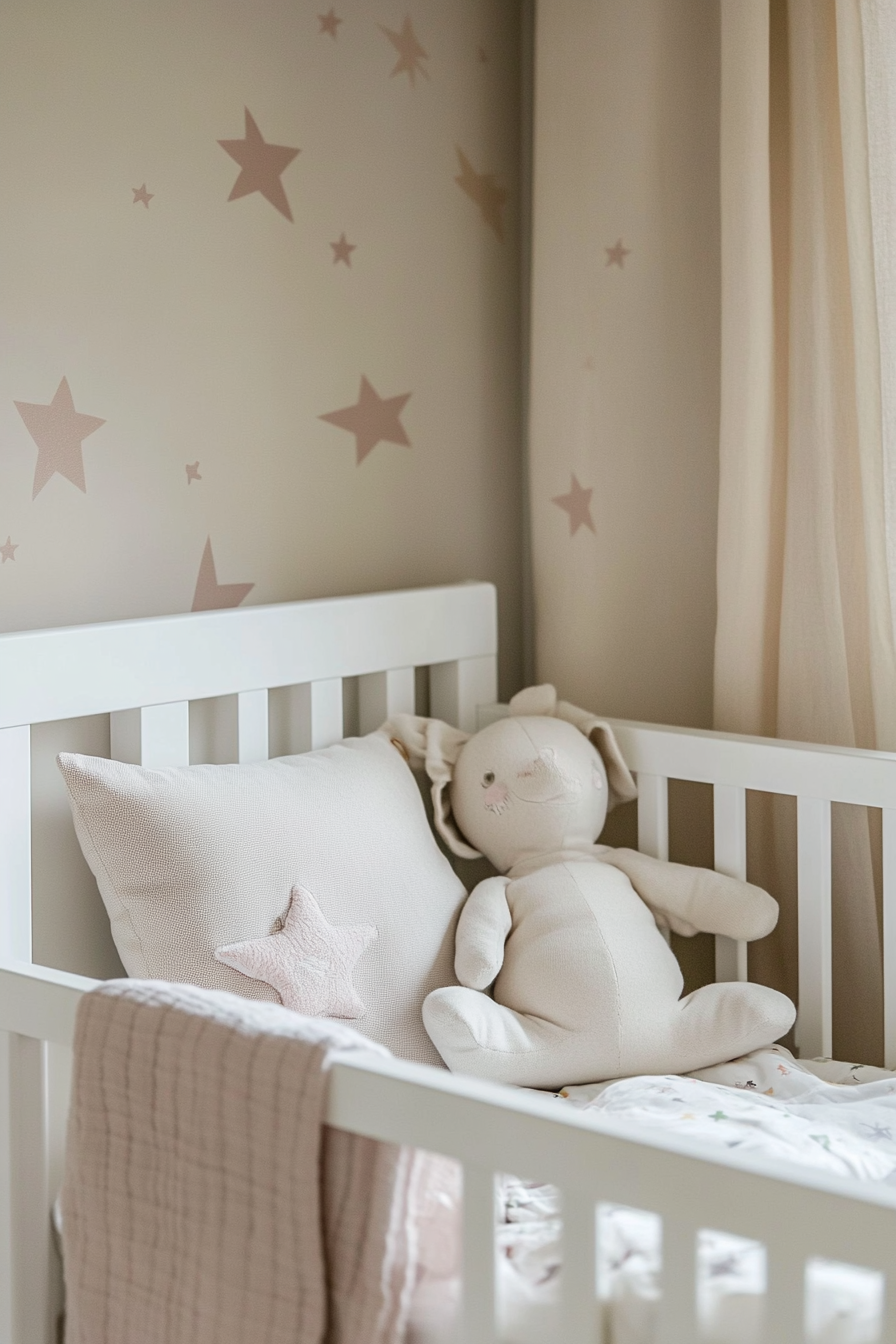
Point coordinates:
[(488, 778)]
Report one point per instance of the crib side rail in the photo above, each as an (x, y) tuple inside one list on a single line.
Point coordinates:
[(488, 1129)]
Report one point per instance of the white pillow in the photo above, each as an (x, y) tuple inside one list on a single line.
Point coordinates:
[(194, 858)]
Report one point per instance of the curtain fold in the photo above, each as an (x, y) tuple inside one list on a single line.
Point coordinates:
[(804, 643)]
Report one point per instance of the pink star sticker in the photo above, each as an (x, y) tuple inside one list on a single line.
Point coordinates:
[(309, 961), (58, 430), (617, 254), (261, 165), (373, 419), (192, 472), (342, 251), (410, 52), (8, 551), (142, 196), (210, 595), (578, 505), (329, 23)]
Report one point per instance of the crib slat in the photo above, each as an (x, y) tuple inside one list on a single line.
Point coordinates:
[(316, 714), (677, 1319), (33, 1297), (580, 1309), (15, 843), (888, 818), (154, 736), (457, 688), (477, 1323), (382, 694), (252, 726), (730, 837), (814, 1023), (653, 815)]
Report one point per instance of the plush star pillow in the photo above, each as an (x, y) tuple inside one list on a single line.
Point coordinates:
[(309, 961)]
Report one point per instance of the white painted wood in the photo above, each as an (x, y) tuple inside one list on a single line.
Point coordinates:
[(15, 843), (580, 1315), (382, 694), (95, 669), (785, 1297), (730, 838), (32, 1295), (677, 1317), (478, 1323), (653, 815), (154, 736), (888, 819), (252, 726), (459, 687), (6, 1213), (317, 714), (814, 1033)]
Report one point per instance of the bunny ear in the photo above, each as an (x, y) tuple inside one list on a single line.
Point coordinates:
[(433, 746), (619, 778)]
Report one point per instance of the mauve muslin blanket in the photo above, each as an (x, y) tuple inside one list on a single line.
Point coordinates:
[(204, 1202)]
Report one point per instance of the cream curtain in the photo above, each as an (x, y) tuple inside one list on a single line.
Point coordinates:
[(804, 643)]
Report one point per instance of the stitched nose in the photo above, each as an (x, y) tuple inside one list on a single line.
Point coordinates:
[(496, 797)]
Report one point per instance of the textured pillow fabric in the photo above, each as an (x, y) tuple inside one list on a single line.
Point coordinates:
[(194, 858)]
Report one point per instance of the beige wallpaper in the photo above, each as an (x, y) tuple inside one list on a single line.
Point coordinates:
[(259, 284)]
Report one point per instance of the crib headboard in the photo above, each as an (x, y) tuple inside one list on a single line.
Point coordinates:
[(151, 676)]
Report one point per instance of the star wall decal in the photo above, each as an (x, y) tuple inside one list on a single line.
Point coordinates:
[(617, 254), (329, 23), (578, 505), (373, 419), (342, 251), (58, 430), (484, 190), (210, 595), (8, 550), (309, 961), (142, 196), (410, 52), (192, 469), (261, 166)]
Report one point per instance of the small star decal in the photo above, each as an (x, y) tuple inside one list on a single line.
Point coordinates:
[(577, 504), (58, 430), (210, 595), (142, 196), (617, 254), (192, 469), (373, 419), (719, 1115), (261, 166), (309, 961), (329, 23), (484, 190), (875, 1132), (8, 550), (342, 251), (410, 52)]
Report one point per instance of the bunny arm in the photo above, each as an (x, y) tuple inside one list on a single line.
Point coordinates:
[(481, 933), (696, 900)]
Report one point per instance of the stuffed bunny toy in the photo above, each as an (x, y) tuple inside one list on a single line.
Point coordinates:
[(565, 976)]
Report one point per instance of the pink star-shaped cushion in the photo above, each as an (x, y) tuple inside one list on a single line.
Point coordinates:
[(309, 961)]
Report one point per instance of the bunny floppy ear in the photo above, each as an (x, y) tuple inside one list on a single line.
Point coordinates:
[(434, 746), (542, 700)]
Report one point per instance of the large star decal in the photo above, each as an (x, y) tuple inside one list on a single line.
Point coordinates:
[(261, 165), (410, 52), (309, 961), (210, 595), (484, 190), (58, 430), (578, 505), (142, 196), (373, 419)]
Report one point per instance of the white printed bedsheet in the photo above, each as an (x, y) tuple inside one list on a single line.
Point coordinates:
[(834, 1117)]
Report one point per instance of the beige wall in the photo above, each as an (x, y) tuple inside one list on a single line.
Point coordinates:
[(625, 358), (214, 331)]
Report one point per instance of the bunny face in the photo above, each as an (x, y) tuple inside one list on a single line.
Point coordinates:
[(529, 786)]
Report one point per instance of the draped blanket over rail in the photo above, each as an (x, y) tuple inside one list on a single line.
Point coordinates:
[(204, 1200)]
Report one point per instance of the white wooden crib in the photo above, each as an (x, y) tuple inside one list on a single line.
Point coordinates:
[(146, 673)]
